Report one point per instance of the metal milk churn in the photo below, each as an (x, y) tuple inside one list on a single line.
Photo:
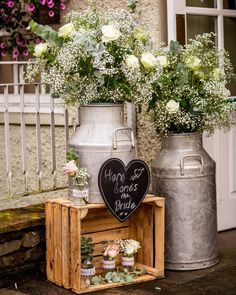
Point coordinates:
[(184, 174), (101, 135)]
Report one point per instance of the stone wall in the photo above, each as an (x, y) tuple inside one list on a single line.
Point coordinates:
[(22, 242)]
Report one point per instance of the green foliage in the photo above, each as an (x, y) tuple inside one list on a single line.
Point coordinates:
[(72, 155), (116, 277), (87, 249), (190, 93), (46, 33)]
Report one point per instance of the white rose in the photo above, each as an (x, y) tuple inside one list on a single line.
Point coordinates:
[(172, 106), (66, 30), (39, 49), (110, 33), (148, 60), (193, 62), (162, 59), (130, 249), (135, 244), (132, 62)]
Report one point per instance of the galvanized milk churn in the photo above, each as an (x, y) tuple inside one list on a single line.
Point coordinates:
[(184, 174), (101, 135)]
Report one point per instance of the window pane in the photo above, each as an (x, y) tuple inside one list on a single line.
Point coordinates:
[(229, 4), (202, 3), (199, 24), (230, 45)]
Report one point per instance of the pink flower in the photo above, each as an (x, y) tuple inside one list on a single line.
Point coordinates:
[(43, 2), (25, 52), (2, 45), (51, 13), (51, 4), (15, 53), (112, 251), (4, 53), (62, 6), (10, 3), (71, 168), (31, 7)]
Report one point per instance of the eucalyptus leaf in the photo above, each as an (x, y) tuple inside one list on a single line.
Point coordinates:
[(108, 276), (129, 278), (175, 47), (95, 280)]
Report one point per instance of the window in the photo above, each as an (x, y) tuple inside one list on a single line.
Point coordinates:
[(192, 17)]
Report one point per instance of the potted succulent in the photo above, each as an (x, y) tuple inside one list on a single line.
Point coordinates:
[(87, 250)]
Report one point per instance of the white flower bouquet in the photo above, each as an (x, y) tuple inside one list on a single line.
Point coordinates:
[(129, 247), (190, 93), (97, 56)]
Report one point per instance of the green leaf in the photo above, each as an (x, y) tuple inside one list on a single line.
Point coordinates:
[(129, 278), (95, 280), (175, 47), (108, 276)]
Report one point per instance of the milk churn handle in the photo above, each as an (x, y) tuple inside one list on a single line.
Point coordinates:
[(122, 128), (191, 156)]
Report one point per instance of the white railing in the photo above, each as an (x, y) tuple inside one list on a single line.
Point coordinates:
[(31, 124)]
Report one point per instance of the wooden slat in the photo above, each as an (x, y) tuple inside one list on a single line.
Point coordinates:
[(148, 236), (120, 233), (100, 220), (49, 242), (150, 270), (75, 234), (66, 247), (140, 279), (159, 238), (141, 229), (57, 244)]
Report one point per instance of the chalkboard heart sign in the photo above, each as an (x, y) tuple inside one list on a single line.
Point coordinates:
[(123, 188)]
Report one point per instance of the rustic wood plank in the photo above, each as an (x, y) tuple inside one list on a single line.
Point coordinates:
[(106, 221), (140, 279), (159, 237), (75, 235), (120, 233), (49, 242), (150, 270), (57, 237), (148, 235), (66, 247)]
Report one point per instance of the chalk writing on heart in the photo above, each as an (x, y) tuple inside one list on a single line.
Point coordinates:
[(123, 188)]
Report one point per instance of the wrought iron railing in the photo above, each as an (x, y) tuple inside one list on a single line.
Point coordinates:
[(24, 119)]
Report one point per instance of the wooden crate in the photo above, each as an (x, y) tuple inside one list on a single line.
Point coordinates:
[(66, 223)]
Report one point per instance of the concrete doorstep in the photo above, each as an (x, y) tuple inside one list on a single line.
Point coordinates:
[(217, 280)]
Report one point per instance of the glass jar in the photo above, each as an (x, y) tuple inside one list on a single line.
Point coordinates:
[(87, 269), (109, 265), (78, 195), (127, 263)]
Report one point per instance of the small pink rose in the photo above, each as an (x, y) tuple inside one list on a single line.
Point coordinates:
[(4, 53), (112, 251), (31, 7), (15, 53), (71, 168), (25, 52), (62, 6), (51, 4), (10, 3), (43, 2), (51, 13), (3, 45)]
